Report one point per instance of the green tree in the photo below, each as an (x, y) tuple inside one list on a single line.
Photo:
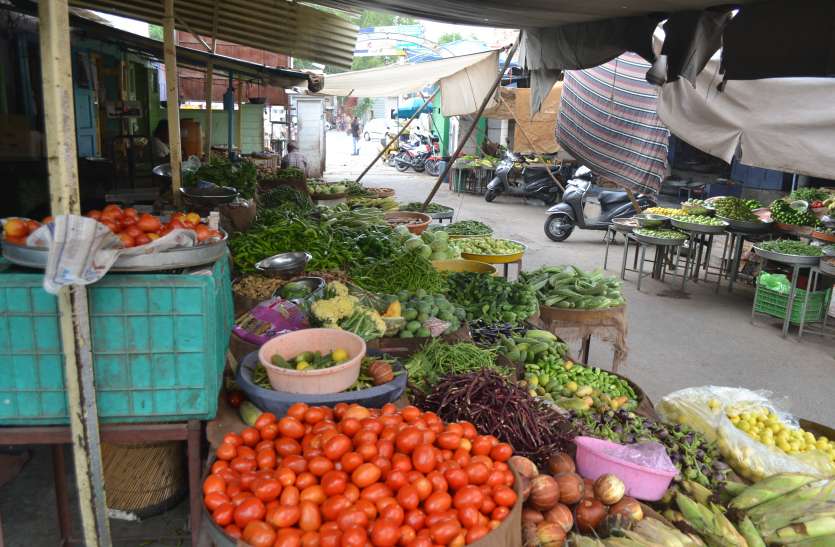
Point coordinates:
[(448, 37), (155, 32)]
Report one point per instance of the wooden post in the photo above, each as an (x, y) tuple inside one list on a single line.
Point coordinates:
[(462, 142), (62, 153), (173, 96), (240, 118), (210, 72), (402, 130)]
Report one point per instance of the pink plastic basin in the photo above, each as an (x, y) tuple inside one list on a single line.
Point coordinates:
[(641, 482), (318, 381)]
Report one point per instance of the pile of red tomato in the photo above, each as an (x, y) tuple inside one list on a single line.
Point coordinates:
[(352, 476), (132, 227)]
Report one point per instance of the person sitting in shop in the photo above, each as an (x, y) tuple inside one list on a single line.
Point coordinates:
[(159, 145), (294, 158)]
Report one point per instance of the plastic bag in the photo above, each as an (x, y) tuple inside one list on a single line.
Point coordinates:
[(775, 282), (706, 410), (269, 319), (652, 455)]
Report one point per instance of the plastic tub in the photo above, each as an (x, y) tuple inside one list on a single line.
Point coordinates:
[(461, 265), (327, 380), (419, 221), (641, 482)]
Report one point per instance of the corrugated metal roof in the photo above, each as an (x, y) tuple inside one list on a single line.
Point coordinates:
[(274, 25)]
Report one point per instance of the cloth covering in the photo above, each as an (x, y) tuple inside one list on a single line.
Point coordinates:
[(608, 121), (514, 105), (464, 81), (785, 124)]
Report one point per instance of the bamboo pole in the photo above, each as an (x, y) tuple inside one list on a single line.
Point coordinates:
[(462, 142), (173, 96), (59, 123), (402, 130)]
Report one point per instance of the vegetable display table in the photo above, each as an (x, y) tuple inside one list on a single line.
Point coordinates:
[(571, 324), (114, 433), (667, 252), (732, 253)]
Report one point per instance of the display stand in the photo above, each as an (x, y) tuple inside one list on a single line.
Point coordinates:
[(118, 433), (732, 254), (571, 324), (823, 328), (664, 254)]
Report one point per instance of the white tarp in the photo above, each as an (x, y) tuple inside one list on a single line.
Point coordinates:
[(464, 81), (785, 124)]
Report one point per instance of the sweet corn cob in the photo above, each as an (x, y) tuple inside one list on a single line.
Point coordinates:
[(807, 498), (750, 533), (769, 489), (822, 526)]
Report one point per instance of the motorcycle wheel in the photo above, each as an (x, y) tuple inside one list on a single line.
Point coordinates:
[(490, 195), (401, 162), (551, 198), (432, 168), (419, 167), (558, 227)]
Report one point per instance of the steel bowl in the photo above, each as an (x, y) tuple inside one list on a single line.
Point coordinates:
[(211, 196), (284, 265), (648, 220), (314, 285)]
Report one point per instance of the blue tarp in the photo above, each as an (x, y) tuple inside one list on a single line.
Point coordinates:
[(408, 107)]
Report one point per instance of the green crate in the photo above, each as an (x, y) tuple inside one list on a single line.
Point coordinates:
[(159, 343), (774, 304)]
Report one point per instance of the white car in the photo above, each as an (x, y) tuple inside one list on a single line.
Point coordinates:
[(377, 128)]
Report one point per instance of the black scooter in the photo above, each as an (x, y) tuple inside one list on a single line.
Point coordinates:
[(534, 182), (564, 216)]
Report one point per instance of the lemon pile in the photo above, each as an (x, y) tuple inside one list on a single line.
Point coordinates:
[(766, 427), (666, 211)]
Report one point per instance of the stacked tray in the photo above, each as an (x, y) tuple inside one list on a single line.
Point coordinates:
[(701, 228), (798, 260)]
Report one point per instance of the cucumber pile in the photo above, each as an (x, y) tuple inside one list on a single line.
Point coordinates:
[(571, 287)]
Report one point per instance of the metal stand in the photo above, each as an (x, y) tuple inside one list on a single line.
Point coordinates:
[(117, 433), (789, 305), (659, 261), (506, 269), (729, 266), (702, 244)]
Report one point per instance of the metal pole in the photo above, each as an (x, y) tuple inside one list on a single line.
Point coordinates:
[(462, 142), (402, 130), (210, 72), (173, 100), (239, 118), (59, 123)]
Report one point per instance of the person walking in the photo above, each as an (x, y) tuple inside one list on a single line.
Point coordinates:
[(355, 136)]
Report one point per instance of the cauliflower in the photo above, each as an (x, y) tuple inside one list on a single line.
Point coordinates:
[(335, 288), (332, 310), (378, 321)]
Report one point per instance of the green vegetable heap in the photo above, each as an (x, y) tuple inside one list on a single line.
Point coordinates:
[(286, 197), (418, 307), (406, 270), (491, 298), (418, 206), (577, 387), (734, 209), (386, 204), (701, 219), (753, 204), (430, 244), (571, 287), (466, 228), (242, 176), (534, 346), (789, 247), (694, 206), (325, 189), (783, 213), (488, 246), (810, 194), (438, 359), (660, 233)]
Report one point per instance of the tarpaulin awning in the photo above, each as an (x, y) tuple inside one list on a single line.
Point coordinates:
[(464, 81), (533, 134), (608, 121), (282, 27), (785, 124)]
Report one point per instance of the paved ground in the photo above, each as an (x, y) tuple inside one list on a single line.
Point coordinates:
[(674, 341)]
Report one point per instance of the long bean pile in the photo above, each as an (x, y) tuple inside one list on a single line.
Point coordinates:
[(405, 271), (438, 359), (501, 408)]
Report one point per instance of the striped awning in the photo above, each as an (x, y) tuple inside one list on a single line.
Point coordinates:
[(608, 120), (277, 25)]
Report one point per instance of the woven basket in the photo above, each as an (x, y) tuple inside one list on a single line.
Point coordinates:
[(144, 478)]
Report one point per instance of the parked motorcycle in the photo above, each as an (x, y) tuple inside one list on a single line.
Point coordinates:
[(570, 213), (515, 177), (422, 154)]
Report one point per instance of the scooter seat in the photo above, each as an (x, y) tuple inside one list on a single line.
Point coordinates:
[(608, 197)]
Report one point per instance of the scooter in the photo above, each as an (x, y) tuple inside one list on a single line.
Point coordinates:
[(564, 216), (526, 181), (420, 156)]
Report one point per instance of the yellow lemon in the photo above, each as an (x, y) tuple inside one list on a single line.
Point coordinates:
[(339, 354)]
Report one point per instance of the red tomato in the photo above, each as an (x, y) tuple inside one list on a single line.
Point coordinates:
[(242, 465), (499, 513), (214, 483), (285, 476), (396, 479), (269, 432), (476, 533), (290, 496), (259, 534), (288, 537), (350, 426), (410, 413), (284, 516), (393, 512), (213, 500), (366, 507), (265, 459), (310, 518), (366, 475), (437, 503), (250, 436), (449, 440), (250, 509), (313, 493), (333, 506), (408, 497), (501, 452), (354, 537), (286, 446), (233, 531), (291, 427), (303, 480), (350, 461), (311, 539), (439, 483), (457, 478), (218, 466), (266, 489), (148, 223), (385, 533), (444, 532), (477, 473), (423, 458), (334, 482), (246, 452), (482, 446), (127, 241), (468, 496), (415, 518), (408, 439), (423, 487), (376, 492), (350, 518), (336, 447), (504, 496), (319, 465), (496, 478), (295, 462), (330, 538), (223, 514), (401, 462), (420, 541), (469, 516), (368, 451)]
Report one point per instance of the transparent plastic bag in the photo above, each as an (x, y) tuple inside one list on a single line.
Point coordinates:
[(706, 410), (775, 282)]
